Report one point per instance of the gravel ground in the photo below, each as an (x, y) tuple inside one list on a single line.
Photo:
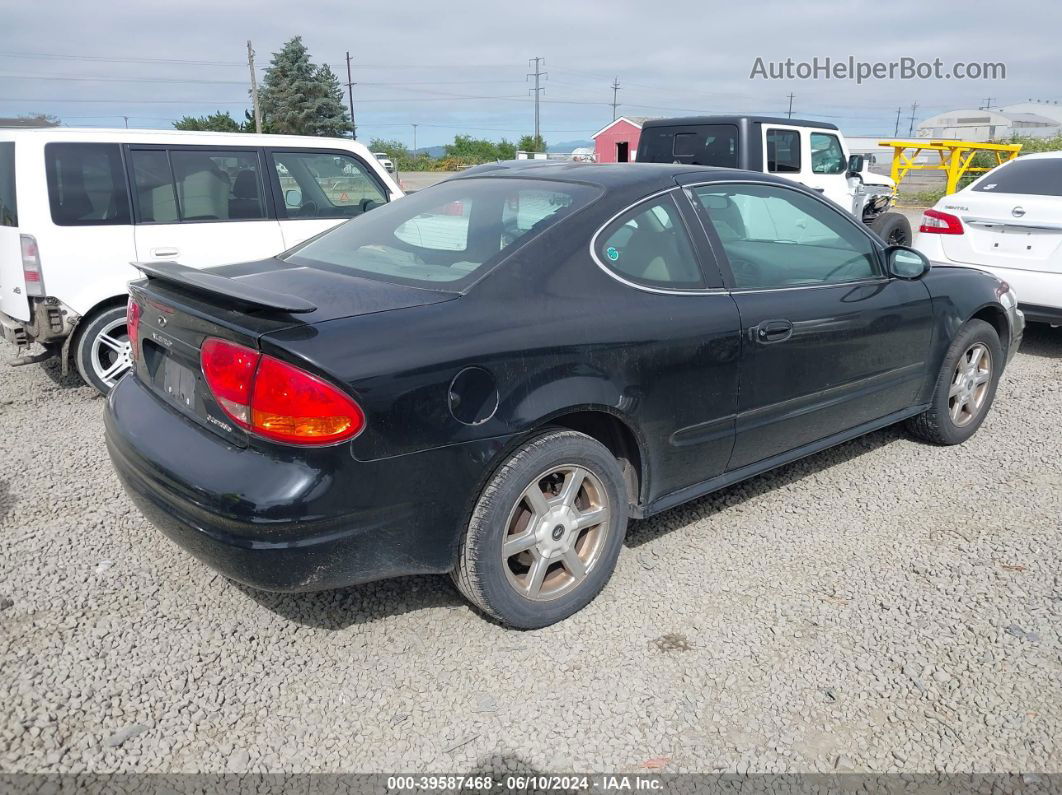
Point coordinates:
[(886, 605)]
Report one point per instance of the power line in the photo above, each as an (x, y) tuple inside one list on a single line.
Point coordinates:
[(107, 59), (537, 74)]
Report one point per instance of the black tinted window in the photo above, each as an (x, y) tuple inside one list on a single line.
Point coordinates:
[(156, 199), (702, 145), (649, 245), (1041, 176), (8, 208), (86, 184), (783, 151)]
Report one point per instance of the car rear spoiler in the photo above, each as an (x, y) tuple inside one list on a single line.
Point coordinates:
[(240, 292)]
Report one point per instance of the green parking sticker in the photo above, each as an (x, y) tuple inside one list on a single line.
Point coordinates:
[(612, 253)]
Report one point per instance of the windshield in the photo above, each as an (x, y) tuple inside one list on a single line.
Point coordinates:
[(1041, 176), (446, 235)]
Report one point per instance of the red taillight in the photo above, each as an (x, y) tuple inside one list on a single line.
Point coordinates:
[(275, 399), (132, 326), (31, 266), (935, 222)]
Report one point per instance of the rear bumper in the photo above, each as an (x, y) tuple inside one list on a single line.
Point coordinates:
[(290, 520), (13, 331)]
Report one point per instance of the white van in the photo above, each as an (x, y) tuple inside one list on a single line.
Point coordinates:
[(78, 206)]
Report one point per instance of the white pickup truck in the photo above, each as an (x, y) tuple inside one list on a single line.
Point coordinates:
[(810, 152)]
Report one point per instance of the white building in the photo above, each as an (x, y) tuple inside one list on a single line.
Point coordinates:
[(1025, 119)]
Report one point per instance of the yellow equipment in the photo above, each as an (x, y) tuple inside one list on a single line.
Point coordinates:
[(954, 158)]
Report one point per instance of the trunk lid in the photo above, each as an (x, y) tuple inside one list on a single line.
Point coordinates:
[(182, 307), (1006, 230)]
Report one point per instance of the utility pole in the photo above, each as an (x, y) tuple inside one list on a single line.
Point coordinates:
[(126, 122), (910, 129), (414, 140), (254, 89), (790, 113), (615, 91), (988, 103), (538, 62), (896, 132), (350, 96)]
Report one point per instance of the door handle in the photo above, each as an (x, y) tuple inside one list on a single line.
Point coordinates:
[(164, 252), (772, 331)]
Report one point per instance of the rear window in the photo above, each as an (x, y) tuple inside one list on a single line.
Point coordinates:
[(447, 235), (86, 184), (1039, 176), (8, 208), (701, 145)]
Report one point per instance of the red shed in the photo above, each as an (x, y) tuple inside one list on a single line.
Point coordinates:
[(618, 142)]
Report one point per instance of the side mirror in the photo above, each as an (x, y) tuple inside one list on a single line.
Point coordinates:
[(906, 263), (855, 164), (293, 197)]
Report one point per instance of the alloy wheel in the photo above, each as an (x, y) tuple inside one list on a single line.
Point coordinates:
[(111, 354), (970, 383), (556, 532)]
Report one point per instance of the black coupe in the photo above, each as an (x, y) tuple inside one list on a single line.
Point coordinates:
[(489, 377)]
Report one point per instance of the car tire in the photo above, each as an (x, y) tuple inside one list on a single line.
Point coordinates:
[(102, 353), (965, 386), (560, 558), (893, 228)]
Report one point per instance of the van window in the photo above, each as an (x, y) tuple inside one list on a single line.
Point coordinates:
[(86, 184), (783, 151), (156, 198), (219, 185), (8, 208), (325, 185)]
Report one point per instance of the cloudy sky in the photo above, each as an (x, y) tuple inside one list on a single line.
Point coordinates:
[(461, 66)]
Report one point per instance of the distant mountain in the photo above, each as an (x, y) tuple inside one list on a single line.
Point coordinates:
[(432, 151), (569, 146)]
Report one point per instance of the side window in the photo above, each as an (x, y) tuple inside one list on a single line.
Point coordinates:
[(649, 245), (86, 184), (775, 237), (156, 196), (827, 156), (783, 151), (218, 185), (325, 185)]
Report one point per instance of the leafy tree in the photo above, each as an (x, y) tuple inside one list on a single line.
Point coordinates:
[(215, 122), (469, 150), (506, 150), (531, 143), (395, 149), (299, 98)]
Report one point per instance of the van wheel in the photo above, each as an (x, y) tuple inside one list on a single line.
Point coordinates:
[(103, 353), (893, 228), (546, 532), (965, 387)]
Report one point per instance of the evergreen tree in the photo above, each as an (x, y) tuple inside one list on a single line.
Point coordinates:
[(299, 98)]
